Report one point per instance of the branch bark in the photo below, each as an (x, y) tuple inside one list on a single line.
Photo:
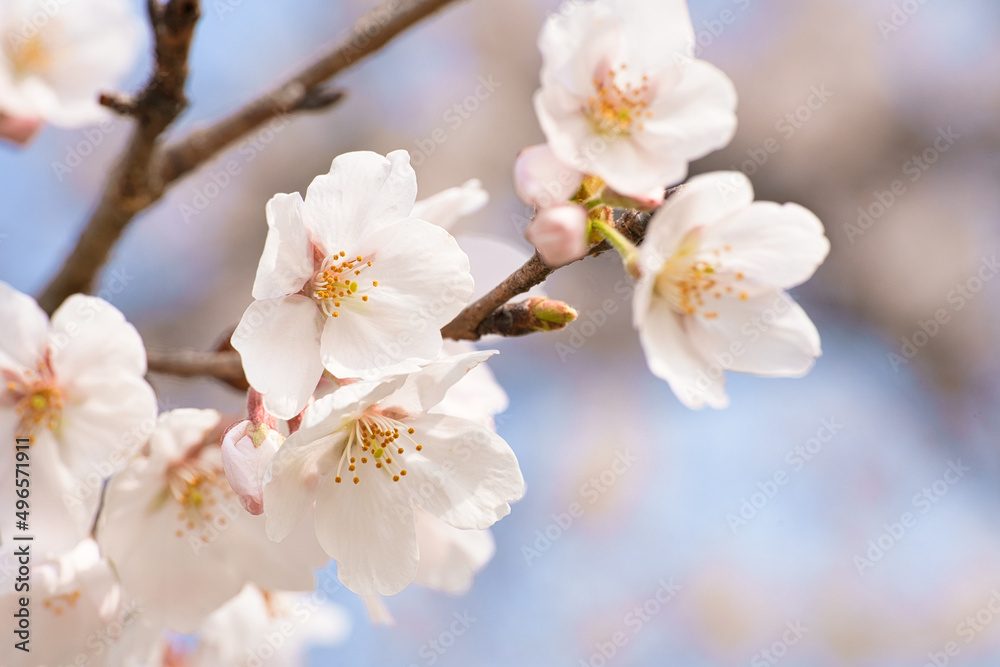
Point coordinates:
[(134, 184), (469, 324), (147, 169), (223, 365)]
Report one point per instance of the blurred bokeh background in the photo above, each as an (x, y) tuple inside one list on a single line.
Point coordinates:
[(771, 531)]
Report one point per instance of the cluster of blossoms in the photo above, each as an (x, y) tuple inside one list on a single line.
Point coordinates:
[(369, 439), (624, 107)]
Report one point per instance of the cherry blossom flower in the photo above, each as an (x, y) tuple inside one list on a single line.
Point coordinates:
[(177, 535), (714, 266), (348, 282), (73, 386), (268, 629), (57, 57), (622, 98), (74, 602), (370, 452)]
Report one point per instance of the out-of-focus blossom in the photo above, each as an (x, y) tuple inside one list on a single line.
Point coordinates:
[(711, 296), (74, 387), (349, 282), (446, 207), (76, 611), (267, 629), (57, 57), (178, 537)]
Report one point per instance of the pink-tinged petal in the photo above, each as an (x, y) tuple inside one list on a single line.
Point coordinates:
[(702, 202), (287, 261), (369, 529), (279, 342), (559, 233), (772, 245), (22, 344), (766, 335), (90, 336), (364, 193), (540, 178), (301, 464), (18, 129), (247, 450), (446, 207), (427, 387), (106, 419), (672, 357), (449, 557), (464, 474)]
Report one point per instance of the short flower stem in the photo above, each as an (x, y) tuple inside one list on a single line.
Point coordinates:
[(625, 248)]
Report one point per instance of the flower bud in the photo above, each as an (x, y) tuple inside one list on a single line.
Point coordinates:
[(559, 234), (247, 450), (540, 178), (551, 315)]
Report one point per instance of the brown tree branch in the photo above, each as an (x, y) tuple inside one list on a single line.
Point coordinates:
[(468, 325), (490, 315), (223, 365), (134, 184), (146, 169)]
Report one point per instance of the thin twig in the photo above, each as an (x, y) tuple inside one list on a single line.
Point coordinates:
[(147, 169)]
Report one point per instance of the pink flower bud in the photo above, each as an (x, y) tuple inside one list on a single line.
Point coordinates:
[(540, 178), (247, 450), (18, 130), (559, 233)]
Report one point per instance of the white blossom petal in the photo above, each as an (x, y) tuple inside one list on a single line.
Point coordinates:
[(767, 335), (672, 357), (465, 474), (362, 194), (287, 261), (279, 341), (369, 529), (25, 330), (777, 245), (449, 557)]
